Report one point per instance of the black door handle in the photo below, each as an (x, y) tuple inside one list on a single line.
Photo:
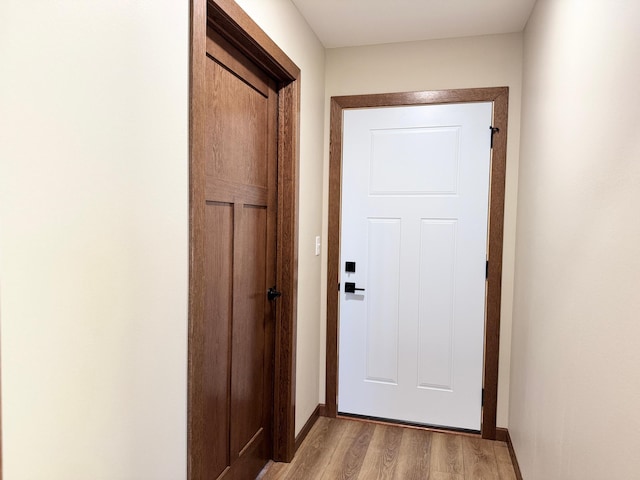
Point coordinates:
[(350, 287), (272, 293)]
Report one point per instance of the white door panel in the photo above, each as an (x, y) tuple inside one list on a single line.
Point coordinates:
[(414, 219)]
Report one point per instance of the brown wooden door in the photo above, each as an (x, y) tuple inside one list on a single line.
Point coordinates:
[(240, 246)]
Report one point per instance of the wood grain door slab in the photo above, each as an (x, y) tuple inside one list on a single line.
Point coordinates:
[(240, 260)]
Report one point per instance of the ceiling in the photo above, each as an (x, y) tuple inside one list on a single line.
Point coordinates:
[(341, 23)]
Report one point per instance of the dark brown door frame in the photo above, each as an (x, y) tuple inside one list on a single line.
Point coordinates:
[(500, 98), (230, 21)]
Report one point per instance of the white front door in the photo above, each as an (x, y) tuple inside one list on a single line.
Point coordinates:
[(415, 195)]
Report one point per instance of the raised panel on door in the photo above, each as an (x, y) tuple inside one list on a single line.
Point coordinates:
[(236, 147), (218, 313), (248, 350), (382, 287), (437, 295), (406, 146)]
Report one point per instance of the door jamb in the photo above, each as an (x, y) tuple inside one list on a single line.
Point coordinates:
[(230, 21), (500, 98)]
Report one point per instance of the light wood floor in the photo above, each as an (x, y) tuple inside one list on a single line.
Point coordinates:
[(339, 449)]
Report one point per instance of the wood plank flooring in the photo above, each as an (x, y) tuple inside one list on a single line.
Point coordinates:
[(340, 449)]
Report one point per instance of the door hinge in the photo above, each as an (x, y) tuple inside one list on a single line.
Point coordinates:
[(338, 287), (482, 399), (486, 270), (494, 130)]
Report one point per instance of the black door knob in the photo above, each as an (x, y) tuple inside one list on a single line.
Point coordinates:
[(272, 293)]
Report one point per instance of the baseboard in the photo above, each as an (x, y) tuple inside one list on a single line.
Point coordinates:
[(322, 410), (308, 426), (512, 453), (502, 434)]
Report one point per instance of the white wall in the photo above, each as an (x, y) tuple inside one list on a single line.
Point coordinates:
[(284, 24), (575, 386), (487, 61), (93, 238)]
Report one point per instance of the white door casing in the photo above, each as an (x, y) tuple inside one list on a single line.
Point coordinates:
[(415, 194)]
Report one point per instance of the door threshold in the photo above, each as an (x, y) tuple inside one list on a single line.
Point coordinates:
[(402, 423)]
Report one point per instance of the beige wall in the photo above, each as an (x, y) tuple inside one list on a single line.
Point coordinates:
[(488, 61), (93, 239), (284, 24), (575, 386)]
